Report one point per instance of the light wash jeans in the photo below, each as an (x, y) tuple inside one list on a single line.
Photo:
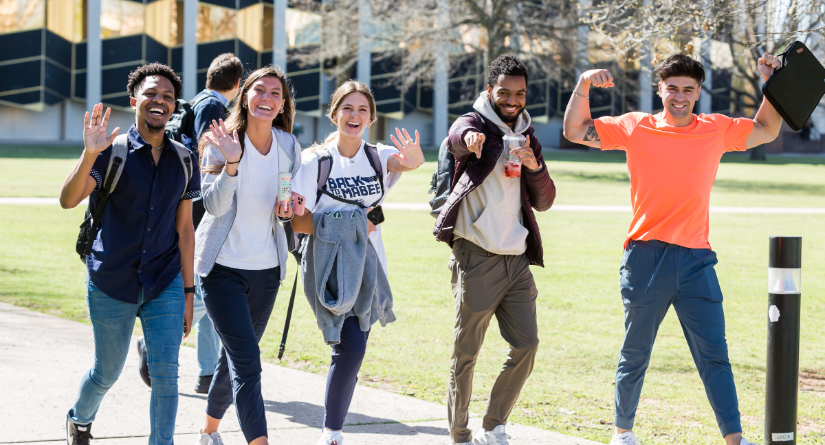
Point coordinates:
[(112, 324), (208, 342)]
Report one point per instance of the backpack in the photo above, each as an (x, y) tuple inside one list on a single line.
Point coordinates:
[(120, 148), (181, 125), (442, 183)]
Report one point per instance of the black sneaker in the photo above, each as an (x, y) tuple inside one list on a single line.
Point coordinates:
[(78, 434), (143, 369), (202, 386)]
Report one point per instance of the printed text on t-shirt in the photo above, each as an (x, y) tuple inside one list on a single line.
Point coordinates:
[(353, 186)]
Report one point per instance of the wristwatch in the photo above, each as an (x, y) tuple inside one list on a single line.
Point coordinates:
[(189, 290)]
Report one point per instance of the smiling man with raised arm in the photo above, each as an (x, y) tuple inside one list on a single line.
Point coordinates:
[(142, 258), (672, 158)]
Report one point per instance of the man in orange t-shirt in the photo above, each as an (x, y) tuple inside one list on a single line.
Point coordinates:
[(672, 158)]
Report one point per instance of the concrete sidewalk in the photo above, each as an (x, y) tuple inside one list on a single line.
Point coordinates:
[(42, 358)]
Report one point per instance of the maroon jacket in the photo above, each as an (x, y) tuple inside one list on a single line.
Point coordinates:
[(537, 189)]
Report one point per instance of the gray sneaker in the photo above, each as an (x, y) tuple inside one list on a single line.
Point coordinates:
[(496, 436), (210, 439)]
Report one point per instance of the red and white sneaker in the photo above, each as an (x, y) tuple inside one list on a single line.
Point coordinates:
[(329, 437)]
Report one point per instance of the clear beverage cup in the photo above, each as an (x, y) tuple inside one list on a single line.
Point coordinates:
[(284, 191), (512, 165)]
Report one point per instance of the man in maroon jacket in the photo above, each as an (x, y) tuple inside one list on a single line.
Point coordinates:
[(488, 220)]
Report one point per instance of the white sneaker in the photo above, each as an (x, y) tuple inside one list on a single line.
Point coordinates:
[(495, 437), (210, 439), (626, 438), (745, 442), (331, 438)]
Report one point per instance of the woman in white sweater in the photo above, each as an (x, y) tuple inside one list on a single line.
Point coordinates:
[(241, 248)]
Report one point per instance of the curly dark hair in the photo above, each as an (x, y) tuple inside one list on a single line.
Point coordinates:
[(508, 65), (153, 69), (680, 65)]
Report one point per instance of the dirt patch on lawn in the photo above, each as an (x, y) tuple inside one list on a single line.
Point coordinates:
[(812, 381)]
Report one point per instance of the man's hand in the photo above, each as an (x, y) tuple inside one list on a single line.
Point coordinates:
[(767, 64), (94, 130), (187, 314), (528, 159), (598, 78), (474, 142)]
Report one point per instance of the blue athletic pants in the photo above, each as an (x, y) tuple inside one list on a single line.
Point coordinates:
[(654, 276), (347, 357), (239, 302)]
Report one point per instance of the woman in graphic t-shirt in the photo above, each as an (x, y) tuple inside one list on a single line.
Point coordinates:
[(240, 245), (352, 178)]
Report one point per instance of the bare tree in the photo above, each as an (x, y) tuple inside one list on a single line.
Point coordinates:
[(749, 28)]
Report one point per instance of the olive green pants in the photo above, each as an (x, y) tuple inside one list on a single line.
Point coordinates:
[(485, 284)]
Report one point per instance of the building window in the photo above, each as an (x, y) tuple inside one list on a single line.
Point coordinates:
[(120, 18), (66, 18), (22, 15), (303, 28), (215, 23), (164, 22), (252, 26)]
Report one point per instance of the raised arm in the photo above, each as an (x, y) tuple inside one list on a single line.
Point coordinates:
[(409, 156), (767, 122), (466, 137), (578, 125), (79, 184)]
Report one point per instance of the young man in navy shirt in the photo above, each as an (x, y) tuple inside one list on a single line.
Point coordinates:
[(222, 81), (141, 261)]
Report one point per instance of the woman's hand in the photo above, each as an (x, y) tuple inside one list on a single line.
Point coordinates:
[(411, 156), (229, 145), (284, 209)]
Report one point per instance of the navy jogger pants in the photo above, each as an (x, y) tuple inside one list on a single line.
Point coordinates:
[(654, 276), (239, 302), (347, 357)]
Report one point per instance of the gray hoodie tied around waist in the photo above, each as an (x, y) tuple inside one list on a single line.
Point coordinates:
[(342, 274)]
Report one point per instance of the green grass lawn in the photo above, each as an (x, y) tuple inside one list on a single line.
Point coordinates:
[(579, 308)]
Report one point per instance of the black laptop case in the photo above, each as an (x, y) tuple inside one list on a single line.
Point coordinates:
[(796, 87)]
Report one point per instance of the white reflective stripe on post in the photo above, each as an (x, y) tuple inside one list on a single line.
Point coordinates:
[(784, 281)]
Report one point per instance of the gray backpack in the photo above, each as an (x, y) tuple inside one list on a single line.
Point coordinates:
[(120, 148)]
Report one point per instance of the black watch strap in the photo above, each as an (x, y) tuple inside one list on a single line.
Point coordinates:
[(189, 290)]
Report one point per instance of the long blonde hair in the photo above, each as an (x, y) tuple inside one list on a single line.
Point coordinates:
[(346, 88), (238, 118)]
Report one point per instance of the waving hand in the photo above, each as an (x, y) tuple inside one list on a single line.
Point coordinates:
[(411, 156), (94, 130)]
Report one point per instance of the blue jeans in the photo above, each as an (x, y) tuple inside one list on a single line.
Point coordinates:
[(655, 276), (208, 342), (112, 324)]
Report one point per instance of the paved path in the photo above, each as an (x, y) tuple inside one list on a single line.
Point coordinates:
[(557, 207), (42, 358)]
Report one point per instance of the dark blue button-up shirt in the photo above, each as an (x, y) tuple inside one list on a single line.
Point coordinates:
[(137, 244)]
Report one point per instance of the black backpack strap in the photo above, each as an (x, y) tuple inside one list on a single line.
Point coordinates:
[(289, 314), (375, 161), (120, 148), (186, 162)]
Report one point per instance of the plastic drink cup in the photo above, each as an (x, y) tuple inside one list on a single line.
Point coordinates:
[(284, 191), (512, 165)]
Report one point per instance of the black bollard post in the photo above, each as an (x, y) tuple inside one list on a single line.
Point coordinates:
[(782, 373)]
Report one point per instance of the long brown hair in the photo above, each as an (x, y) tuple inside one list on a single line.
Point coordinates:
[(238, 118), (346, 88)]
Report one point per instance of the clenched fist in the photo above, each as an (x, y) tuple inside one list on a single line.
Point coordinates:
[(598, 78)]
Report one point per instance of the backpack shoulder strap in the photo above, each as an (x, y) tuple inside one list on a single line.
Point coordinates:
[(375, 161), (324, 168), (186, 162), (120, 148)]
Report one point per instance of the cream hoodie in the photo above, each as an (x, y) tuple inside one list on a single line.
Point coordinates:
[(490, 215)]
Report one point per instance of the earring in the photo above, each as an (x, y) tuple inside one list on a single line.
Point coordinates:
[(281, 112)]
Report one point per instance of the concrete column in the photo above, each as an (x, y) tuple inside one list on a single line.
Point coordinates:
[(441, 81), (190, 49), (279, 42), (94, 51), (646, 80), (364, 43), (582, 56), (705, 98)]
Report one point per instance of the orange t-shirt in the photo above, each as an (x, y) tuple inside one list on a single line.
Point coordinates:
[(672, 170)]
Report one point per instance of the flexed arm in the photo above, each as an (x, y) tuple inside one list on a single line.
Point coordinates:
[(79, 185), (767, 123), (578, 125)]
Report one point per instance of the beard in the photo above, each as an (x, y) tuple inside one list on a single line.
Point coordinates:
[(151, 127), (505, 118)]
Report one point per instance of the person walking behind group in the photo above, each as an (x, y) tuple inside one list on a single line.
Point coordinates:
[(223, 78), (141, 261), (672, 157), (241, 249), (488, 220), (356, 292)]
